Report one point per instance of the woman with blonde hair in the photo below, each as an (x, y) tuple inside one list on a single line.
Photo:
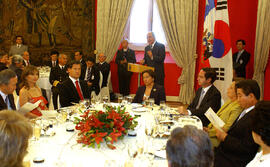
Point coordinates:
[(14, 134), (30, 92)]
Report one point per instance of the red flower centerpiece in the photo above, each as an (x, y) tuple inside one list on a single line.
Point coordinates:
[(109, 126)]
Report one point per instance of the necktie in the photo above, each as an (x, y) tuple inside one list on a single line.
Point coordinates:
[(200, 100), (79, 90), (88, 74), (238, 56), (28, 62), (53, 64)]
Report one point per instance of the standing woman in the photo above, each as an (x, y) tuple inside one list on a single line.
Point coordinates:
[(150, 89), (30, 92)]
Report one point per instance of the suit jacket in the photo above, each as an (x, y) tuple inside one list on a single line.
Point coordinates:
[(58, 74), (228, 113), (14, 50), (240, 65), (157, 92), (158, 59), (69, 94), (3, 105), (18, 72), (49, 63), (212, 99), (3, 66), (24, 64), (238, 148), (94, 78), (105, 70), (129, 55)]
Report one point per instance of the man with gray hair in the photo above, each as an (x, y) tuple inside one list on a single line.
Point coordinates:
[(189, 147), (17, 67), (8, 81), (154, 56), (58, 75)]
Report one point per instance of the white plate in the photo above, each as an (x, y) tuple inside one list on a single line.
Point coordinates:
[(136, 105), (139, 109)]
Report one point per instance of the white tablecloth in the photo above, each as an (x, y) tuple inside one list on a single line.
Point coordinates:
[(63, 150)]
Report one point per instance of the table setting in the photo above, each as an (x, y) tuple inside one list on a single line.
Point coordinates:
[(104, 134)]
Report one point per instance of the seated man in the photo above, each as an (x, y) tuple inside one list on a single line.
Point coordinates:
[(3, 61), (8, 81), (189, 147), (73, 89), (104, 68), (237, 146), (15, 132), (26, 58), (91, 75), (206, 96)]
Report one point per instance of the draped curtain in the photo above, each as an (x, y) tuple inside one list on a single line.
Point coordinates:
[(262, 42), (180, 20), (112, 17)]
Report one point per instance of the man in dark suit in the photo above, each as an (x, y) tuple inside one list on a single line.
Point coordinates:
[(237, 147), (154, 56), (73, 89), (18, 48), (8, 81), (26, 59), (104, 68), (3, 61), (206, 96), (53, 62), (78, 56), (240, 59), (91, 75), (123, 57), (58, 75)]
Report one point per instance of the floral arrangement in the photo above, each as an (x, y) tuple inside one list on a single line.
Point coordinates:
[(109, 126)]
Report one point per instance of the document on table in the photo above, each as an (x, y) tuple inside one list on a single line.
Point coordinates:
[(214, 119), (27, 107)]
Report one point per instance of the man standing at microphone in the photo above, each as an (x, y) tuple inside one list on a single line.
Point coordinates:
[(154, 55)]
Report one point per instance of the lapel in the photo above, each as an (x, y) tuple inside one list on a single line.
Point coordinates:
[(243, 119), (11, 101), (206, 95), (197, 97), (2, 103), (72, 86), (153, 91)]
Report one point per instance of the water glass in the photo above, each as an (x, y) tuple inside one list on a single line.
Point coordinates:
[(151, 102), (129, 99), (120, 99)]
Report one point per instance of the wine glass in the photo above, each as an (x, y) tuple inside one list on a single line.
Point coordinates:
[(105, 99)]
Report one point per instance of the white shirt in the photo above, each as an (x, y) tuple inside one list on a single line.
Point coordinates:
[(152, 46), (244, 112), (260, 160), (62, 67), (26, 62), (205, 91), (74, 80), (239, 54)]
